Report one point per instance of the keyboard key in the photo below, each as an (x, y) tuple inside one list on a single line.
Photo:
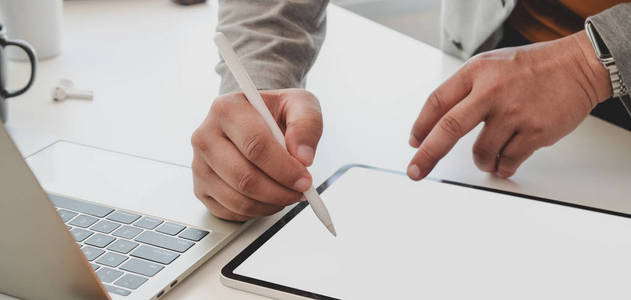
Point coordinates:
[(122, 246), (155, 254), (127, 232), (83, 221), (111, 259), (193, 234), (164, 241), (100, 240), (81, 206), (108, 275), (80, 234), (95, 267), (116, 290), (170, 228), (91, 253), (123, 217), (141, 267), (130, 281), (105, 226), (148, 223), (66, 215)]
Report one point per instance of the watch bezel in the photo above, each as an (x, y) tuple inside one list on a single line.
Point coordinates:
[(599, 45)]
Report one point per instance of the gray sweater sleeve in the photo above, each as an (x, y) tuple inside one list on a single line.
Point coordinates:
[(614, 27), (277, 40)]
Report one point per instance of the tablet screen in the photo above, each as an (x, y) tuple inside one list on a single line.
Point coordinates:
[(434, 240)]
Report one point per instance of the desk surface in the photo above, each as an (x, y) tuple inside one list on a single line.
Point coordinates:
[(150, 64)]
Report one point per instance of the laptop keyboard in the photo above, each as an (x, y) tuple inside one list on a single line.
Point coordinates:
[(125, 249)]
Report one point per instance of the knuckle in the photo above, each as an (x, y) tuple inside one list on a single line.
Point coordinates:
[(201, 195), (246, 207), (254, 148), (435, 102), (427, 155), (197, 168), (247, 183), (477, 63), (451, 126), (221, 106), (514, 109), (199, 140)]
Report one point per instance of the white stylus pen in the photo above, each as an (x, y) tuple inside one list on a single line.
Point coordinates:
[(249, 89)]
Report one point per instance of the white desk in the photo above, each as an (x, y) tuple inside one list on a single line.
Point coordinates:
[(150, 64)]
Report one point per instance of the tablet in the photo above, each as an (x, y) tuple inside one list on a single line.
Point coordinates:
[(433, 239)]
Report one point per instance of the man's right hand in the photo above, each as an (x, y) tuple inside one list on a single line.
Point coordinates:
[(240, 171)]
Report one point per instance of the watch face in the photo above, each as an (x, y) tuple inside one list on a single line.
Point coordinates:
[(597, 42)]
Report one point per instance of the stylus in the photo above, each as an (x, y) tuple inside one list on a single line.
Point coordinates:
[(249, 89)]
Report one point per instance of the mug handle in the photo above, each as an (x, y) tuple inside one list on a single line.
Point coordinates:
[(32, 58)]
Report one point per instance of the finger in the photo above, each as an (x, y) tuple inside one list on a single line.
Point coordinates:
[(303, 118), (440, 101), (451, 127), (200, 169), (221, 212), (216, 188), (518, 149), (242, 176), (494, 136), (254, 140)]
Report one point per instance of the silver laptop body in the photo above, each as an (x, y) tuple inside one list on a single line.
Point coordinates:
[(57, 247)]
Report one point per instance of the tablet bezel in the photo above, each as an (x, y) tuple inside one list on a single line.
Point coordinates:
[(228, 270)]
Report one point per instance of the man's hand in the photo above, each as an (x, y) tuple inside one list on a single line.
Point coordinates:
[(528, 97), (240, 171)]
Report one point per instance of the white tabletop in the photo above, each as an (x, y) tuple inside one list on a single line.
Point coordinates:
[(150, 64)]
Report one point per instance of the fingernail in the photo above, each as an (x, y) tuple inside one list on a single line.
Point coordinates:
[(414, 141), (414, 172), (306, 154), (302, 184)]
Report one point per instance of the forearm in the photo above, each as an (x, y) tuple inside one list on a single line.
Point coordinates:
[(277, 40)]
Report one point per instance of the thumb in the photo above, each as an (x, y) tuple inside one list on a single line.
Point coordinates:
[(303, 123)]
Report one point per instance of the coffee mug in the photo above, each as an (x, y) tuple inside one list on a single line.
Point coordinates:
[(4, 93)]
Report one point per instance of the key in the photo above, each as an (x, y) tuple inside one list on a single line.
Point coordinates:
[(105, 226), (81, 206), (141, 267), (66, 215), (123, 217), (80, 234), (100, 240), (170, 228), (91, 253), (108, 275), (83, 221), (127, 232), (164, 241), (148, 223), (122, 246), (130, 281), (111, 259), (155, 254), (193, 234), (116, 290)]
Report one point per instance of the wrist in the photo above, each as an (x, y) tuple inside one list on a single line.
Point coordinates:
[(597, 74)]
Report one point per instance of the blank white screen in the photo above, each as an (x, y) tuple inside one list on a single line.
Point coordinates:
[(403, 239)]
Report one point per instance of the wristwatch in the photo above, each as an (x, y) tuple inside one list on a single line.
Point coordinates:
[(620, 90)]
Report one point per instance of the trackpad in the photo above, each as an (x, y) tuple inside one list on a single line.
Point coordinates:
[(123, 181)]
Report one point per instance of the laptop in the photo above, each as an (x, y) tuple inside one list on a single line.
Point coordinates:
[(53, 246)]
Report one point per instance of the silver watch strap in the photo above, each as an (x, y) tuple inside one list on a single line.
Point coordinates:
[(619, 89)]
